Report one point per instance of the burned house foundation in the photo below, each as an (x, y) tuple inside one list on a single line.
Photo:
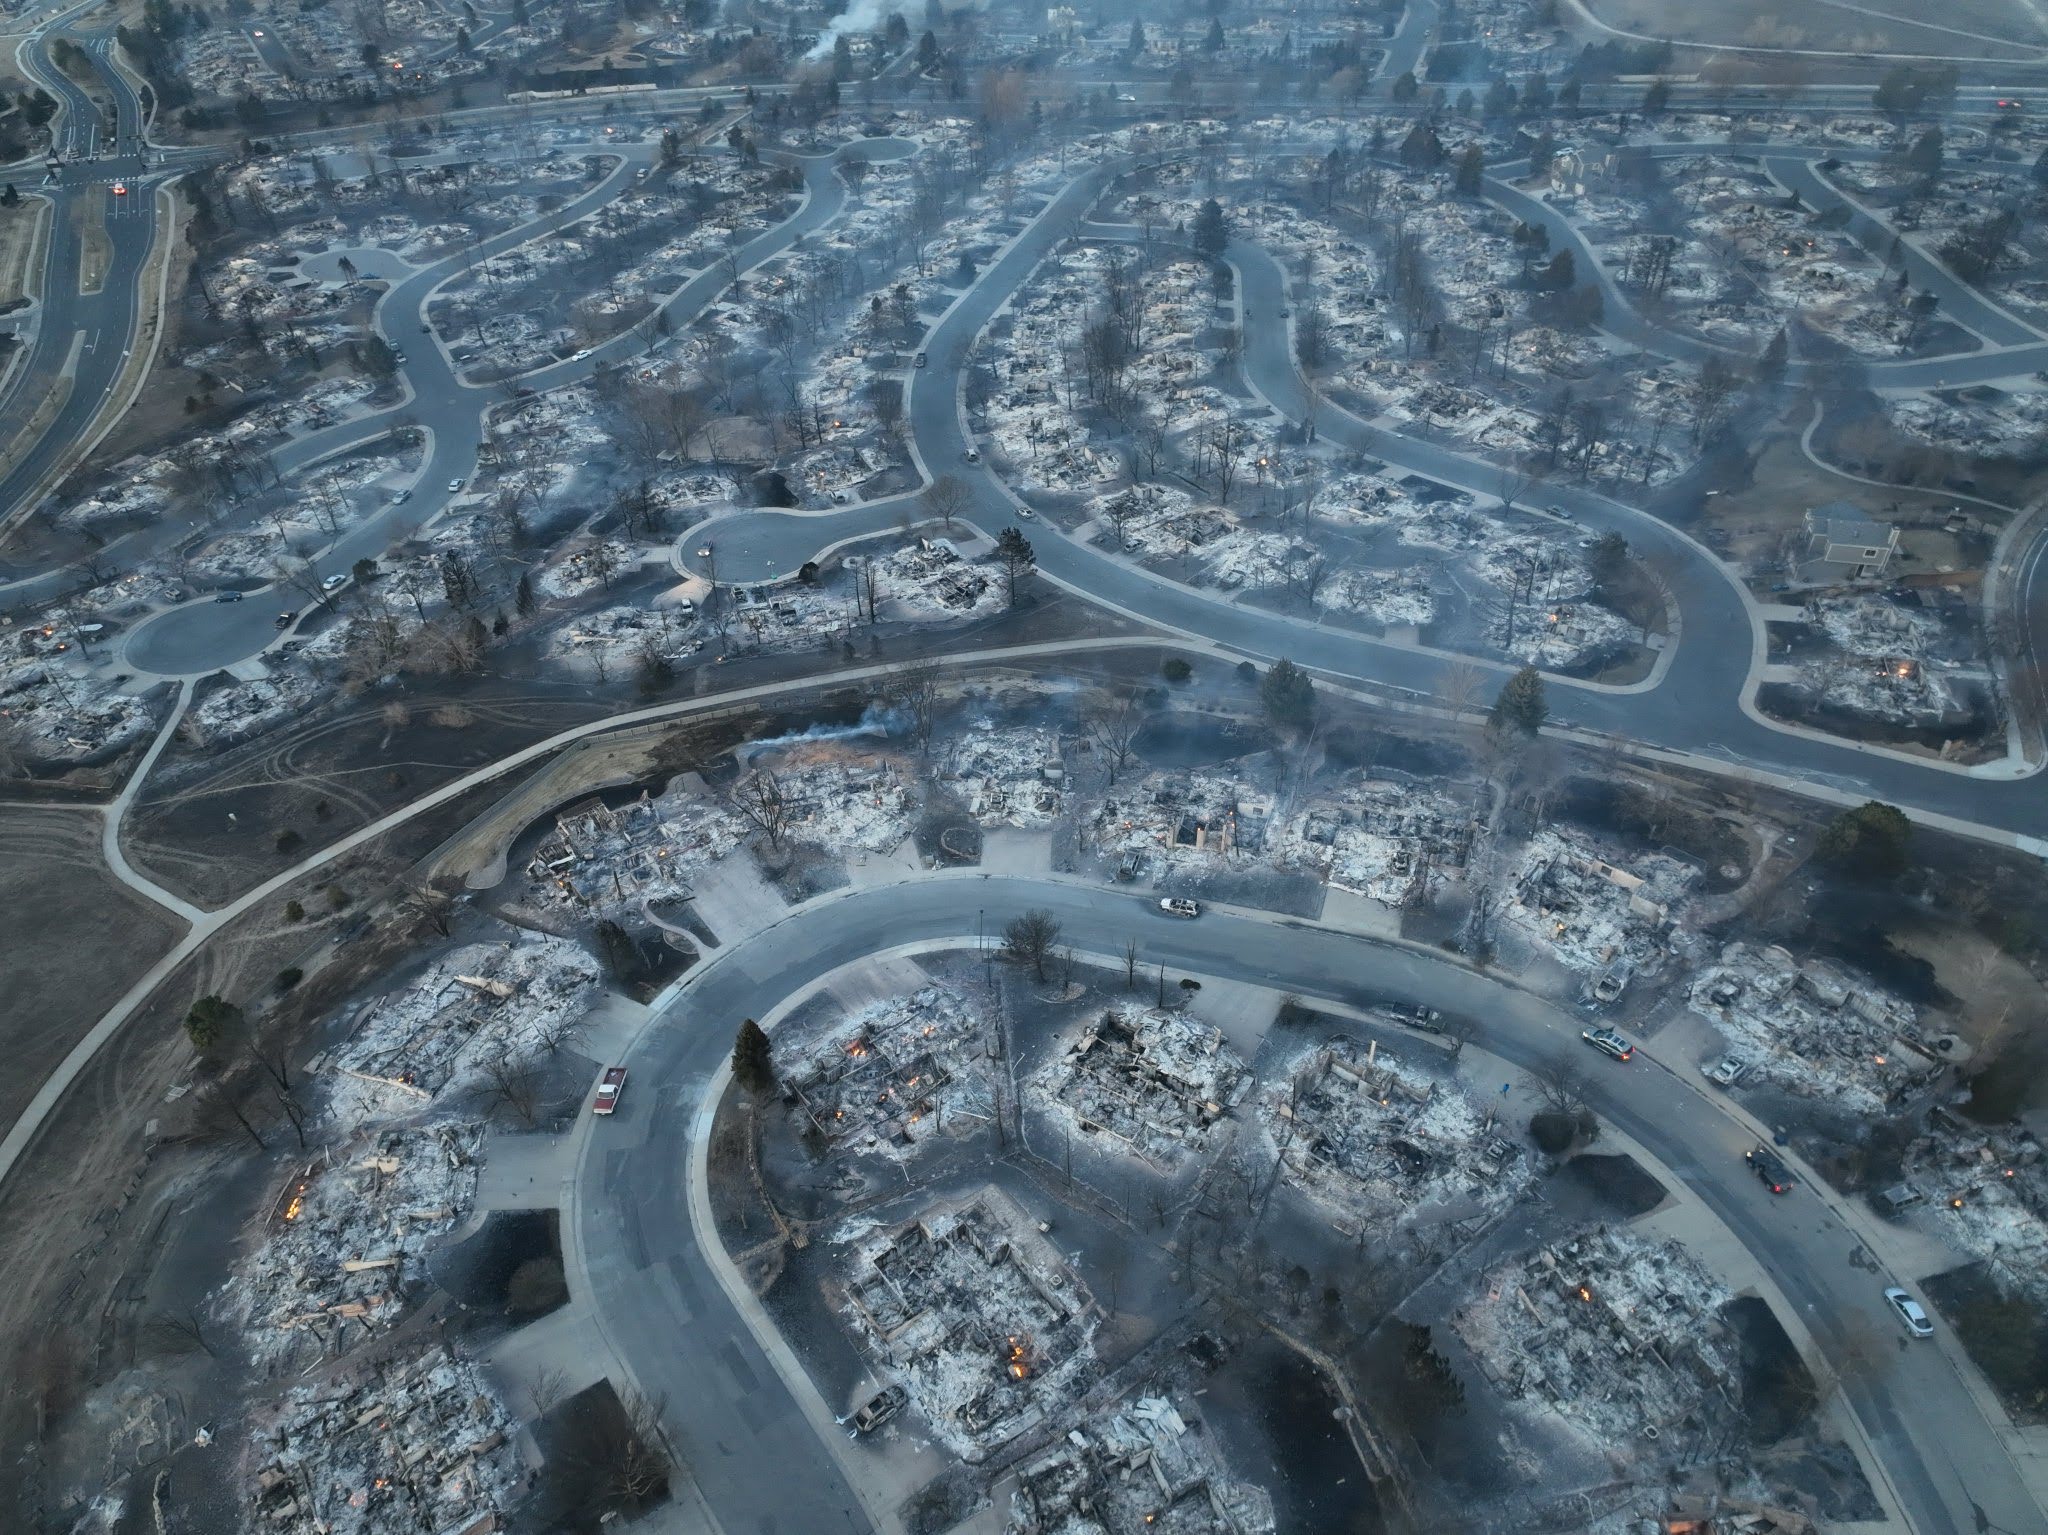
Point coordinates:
[(978, 1317)]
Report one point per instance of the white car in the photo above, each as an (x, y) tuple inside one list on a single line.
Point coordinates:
[(334, 583), (453, 486), (1909, 1313), (1180, 906)]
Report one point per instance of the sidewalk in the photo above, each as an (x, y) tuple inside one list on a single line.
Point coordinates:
[(1906, 1251), (1244, 1009)]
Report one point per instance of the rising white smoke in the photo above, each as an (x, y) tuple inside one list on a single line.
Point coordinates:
[(861, 16)]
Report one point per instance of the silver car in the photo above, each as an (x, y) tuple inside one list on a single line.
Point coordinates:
[(1909, 1313), (1726, 1073)]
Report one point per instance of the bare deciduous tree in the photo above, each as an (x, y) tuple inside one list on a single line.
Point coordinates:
[(219, 1108), (269, 1049), (945, 498), (429, 904), (1031, 937), (177, 1332), (1458, 1029), (1560, 1079), (915, 690), (1458, 686), (512, 1086), (545, 1390), (1114, 722), (1479, 919), (1511, 483), (759, 798), (624, 1453)]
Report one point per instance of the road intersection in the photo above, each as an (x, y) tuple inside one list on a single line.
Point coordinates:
[(649, 1263)]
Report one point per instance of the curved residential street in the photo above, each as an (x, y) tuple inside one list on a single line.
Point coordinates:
[(646, 1269), (655, 1288), (204, 635)]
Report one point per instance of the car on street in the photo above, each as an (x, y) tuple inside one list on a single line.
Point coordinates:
[(1026, 513), (608, 1089), (1770, 1169), (401, 498), (2009, 104), (1180, 906), (227, 597), (1284, 311), (1909, 1313), (1726, 1072), (120, 189), (879, 1409), (397, 356), (973, 455), (334, 583), (1127, 99), (919, 359), (283, 620), (454, 485), (1607, 1042)]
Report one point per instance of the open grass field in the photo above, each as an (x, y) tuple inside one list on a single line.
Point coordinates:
[(1986, 29), (76, 939)]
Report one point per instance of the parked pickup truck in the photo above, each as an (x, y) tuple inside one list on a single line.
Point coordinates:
[(609, 1089)]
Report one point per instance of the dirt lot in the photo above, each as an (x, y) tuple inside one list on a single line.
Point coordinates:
[(87, 1215), (76, 940), (314, 781)]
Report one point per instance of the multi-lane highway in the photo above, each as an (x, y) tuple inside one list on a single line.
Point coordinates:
[(644, 1255), (646, 1263), (87, 322)]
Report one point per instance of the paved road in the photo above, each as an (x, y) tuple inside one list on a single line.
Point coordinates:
[(2014, 348), (1696, 707), (663, 1310), (85, 338), (203, 635)]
